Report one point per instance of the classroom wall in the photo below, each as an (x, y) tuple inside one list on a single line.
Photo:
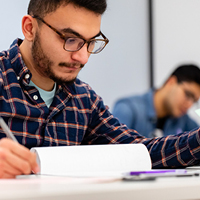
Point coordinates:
[(12, 12), (122, 68)]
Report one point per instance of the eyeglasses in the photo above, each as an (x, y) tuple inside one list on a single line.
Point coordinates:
[(189, 96), (73, 44)]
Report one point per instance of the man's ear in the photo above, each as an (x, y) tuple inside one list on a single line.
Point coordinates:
[(28, 27), (172, 80)]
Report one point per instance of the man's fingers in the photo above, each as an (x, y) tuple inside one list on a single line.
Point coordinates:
[(18, 157), (7, 176), (13, 164), (8, 169), (34, 164)]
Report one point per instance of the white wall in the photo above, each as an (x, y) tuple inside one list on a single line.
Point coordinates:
[(12, 12), (122, 68), (176, 37)]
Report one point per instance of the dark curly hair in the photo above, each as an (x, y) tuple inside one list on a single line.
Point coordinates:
[(43, 7)]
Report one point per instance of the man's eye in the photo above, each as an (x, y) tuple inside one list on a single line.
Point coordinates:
[(70, 40), (188, 94), (93, 42)]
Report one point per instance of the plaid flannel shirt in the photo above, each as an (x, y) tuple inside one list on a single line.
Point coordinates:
[(77, 116)]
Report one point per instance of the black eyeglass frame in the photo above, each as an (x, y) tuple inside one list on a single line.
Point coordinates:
[(63, 36)]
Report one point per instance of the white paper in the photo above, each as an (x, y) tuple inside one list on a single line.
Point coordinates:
[(93, 160)]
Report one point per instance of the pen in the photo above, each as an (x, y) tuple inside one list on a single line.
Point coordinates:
[(134, 173), (153, 174), (6, 130)]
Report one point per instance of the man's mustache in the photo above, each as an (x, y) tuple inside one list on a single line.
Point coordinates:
[(76, 65)]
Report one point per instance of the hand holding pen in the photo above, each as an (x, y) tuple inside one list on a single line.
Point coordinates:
[(15, 159)]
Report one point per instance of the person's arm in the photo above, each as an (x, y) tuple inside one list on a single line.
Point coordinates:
[(16, 159), (171, 151)]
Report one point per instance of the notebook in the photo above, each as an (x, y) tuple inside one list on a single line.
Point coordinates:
[(92, 160)]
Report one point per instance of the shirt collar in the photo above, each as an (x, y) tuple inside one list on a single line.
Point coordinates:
[(17, 63)]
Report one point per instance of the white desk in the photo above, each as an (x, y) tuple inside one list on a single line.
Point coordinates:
[(63, 188)]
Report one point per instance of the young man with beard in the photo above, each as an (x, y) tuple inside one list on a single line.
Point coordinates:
[(45, 104), (163, 111)]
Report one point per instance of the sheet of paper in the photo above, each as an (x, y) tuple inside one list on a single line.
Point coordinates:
[(93, 160)]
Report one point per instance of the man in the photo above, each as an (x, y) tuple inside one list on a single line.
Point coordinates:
[(59, 38), (163, 111)]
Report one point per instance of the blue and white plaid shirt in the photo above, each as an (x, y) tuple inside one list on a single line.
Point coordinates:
[(76, 116)]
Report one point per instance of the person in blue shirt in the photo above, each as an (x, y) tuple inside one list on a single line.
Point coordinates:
[(163, 111)]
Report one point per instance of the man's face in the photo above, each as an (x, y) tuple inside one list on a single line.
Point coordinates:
[(49, 57), (181, 97)]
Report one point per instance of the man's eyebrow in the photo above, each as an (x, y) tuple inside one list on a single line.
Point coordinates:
[(97, 35), (69, 30)]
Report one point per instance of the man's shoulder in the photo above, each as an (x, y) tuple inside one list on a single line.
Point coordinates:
[(135, 99), (10, 55), (4, 60), (4, 57), (80, 89), (84, 93), (3, 54)]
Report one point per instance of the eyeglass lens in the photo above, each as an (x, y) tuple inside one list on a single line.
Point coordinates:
[(189, 96), (74, 44)]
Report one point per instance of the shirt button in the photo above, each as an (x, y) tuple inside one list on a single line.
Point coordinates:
[(18, 78), (27, 76), (35, 97)]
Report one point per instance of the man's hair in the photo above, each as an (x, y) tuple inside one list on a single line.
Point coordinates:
[(187, 73), (43, 7)]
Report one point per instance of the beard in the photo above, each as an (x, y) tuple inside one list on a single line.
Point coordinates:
[(44, 65)]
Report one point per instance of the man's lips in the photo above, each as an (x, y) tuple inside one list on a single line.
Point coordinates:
[(71, 66)]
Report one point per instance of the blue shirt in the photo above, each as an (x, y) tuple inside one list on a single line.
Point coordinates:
[(47, 96), (138, 112), (77, 116)]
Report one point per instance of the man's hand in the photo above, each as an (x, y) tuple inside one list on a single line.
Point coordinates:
[(16, 159)]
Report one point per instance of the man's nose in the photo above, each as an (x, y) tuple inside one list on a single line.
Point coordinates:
[(81, 55)]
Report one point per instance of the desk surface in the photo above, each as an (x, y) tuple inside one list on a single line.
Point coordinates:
[(59, 188)]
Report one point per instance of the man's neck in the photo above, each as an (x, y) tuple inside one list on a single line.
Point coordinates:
[(158, 104)]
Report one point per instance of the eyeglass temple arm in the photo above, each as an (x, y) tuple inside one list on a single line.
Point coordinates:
[(60, 34)]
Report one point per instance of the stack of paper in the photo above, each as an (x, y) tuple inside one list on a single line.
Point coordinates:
[(92, 160)]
